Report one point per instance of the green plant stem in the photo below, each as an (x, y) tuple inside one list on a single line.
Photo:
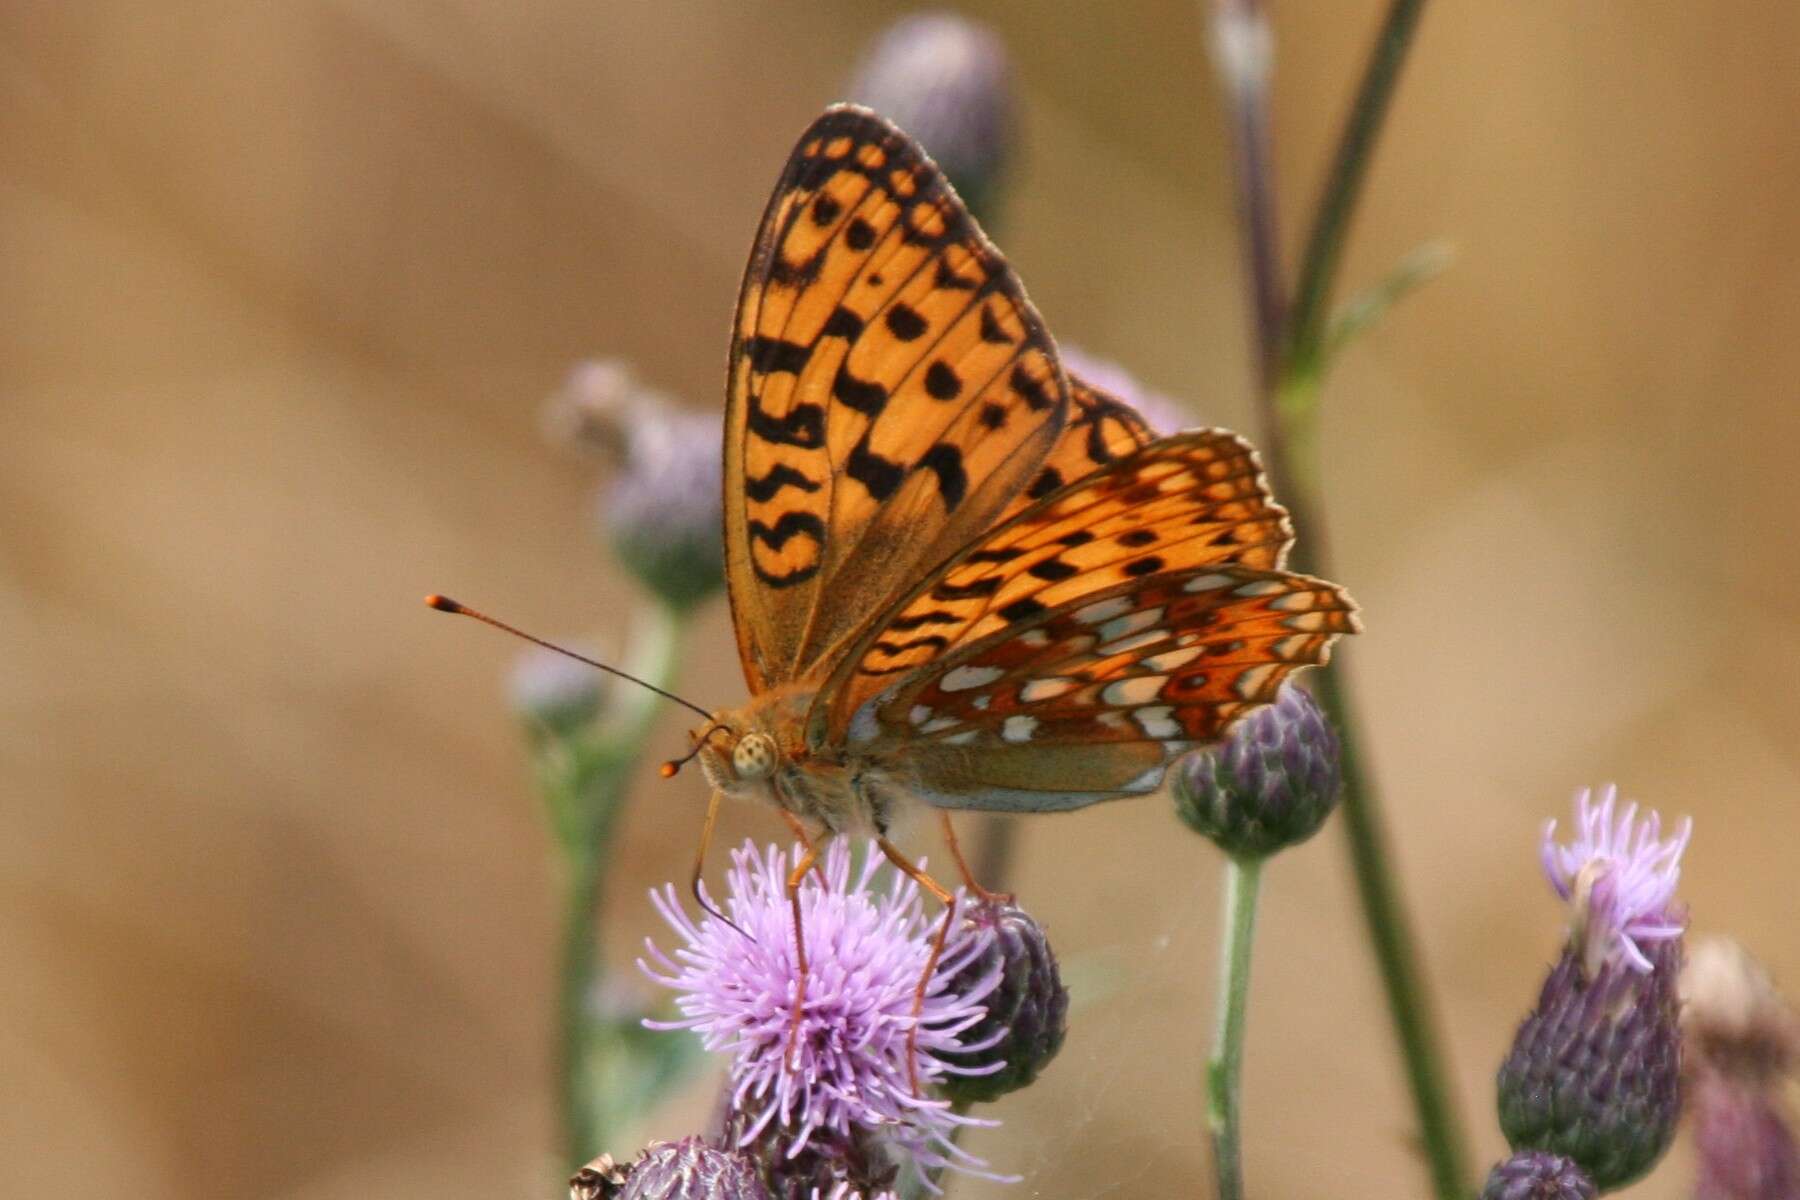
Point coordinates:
[(1307, 319), (584, 788), (1288, 404), (578, 1035), (1224, 1070)]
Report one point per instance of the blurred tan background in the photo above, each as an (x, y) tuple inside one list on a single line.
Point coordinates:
[(284, 288)]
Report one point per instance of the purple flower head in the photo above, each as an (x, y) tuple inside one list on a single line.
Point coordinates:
[(1620, 874), (866, 951)]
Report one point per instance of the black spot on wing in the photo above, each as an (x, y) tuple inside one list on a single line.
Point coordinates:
[(935, 616), (859, 234), (993, 416), (879, 475), (987, 585), (825, 210), (942, 383), (946, 462), (1137, 537), (947, 278), (843, 323), (1021, 610), (768, 354), (1150, 564), (1029, 389), (803, 426), (863, 395), (1052, 570), (789, 526), (1048, 480), (991, 332), (931, 641), (779, 476), (904, 323)]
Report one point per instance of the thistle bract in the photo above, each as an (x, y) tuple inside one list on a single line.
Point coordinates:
[(1271, 784)]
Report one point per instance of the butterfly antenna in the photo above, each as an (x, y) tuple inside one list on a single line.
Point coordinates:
[(673, 767), (446, 604)]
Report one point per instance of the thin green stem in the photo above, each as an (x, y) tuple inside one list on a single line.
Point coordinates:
[(1343, 185), (1396, 956), (1224, 1070), (584, 787), (578, 1036), (1288, 405)]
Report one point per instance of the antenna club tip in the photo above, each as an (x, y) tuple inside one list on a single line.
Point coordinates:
[(669, 769), (442, 603)]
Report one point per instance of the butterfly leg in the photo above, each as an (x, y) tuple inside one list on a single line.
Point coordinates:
[(910, 869), (808, 858), (962, 865)]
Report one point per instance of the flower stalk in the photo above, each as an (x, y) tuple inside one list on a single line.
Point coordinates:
[(1292, 342), (1224, 1069), (583, 781)]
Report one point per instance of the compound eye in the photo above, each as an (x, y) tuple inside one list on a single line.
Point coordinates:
[(754, 756)]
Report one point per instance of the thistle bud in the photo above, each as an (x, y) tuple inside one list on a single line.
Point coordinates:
[(1027, 1006), (662, 508), (830, 1165), (1534, 1175), (553, 691), (1594, 1073), (1271, 784), (945, 80), (692, 1169)]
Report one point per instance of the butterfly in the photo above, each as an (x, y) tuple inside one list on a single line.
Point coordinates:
[(957, 571)]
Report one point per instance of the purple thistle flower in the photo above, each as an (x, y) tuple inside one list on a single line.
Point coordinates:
[(865, 954), (1621, 876)]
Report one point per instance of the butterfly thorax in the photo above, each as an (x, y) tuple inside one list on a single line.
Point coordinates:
[(759, 753)]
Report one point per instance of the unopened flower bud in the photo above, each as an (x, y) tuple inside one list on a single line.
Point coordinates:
[(1534, 1175), (1271, 784), (1027, 1008), (662, 508), (1594, 1073), (692, 1169), (830, 1165), (555, 691), (945, 79)]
